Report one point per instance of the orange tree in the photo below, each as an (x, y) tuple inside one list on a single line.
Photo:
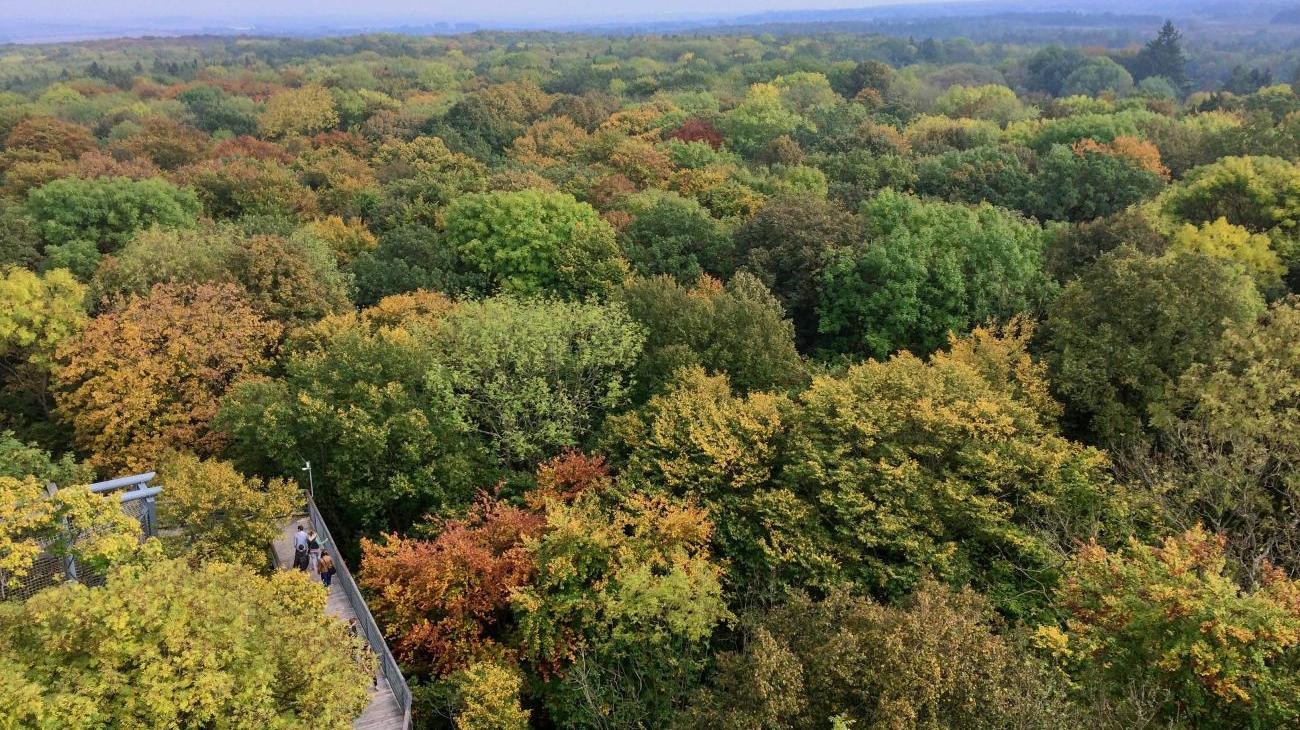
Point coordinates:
[(444, 600), (147, 376), (1170, 621)]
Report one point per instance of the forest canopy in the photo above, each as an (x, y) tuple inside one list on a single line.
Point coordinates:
[(740, 380)]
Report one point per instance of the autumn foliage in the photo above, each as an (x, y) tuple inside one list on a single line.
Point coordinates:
[(721, 380), (147, 377), (696, 130), (445, 600)]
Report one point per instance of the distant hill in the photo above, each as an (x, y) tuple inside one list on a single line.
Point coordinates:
[(1289, 16)]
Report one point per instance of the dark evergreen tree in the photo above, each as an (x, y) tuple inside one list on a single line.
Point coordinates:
[(1163, 56)]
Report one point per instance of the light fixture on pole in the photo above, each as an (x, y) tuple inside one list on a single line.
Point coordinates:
[(311, 484)]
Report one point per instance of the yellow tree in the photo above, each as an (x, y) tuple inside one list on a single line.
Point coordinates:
[(165, 644), (37, 312), (1221, 239), (148, 376), (71, 522), (299, 112), (549, 143), (488, 698), (1172, 620), (224, 514), (345, 239)]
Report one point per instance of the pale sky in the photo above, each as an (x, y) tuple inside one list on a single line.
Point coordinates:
[(90, 11)]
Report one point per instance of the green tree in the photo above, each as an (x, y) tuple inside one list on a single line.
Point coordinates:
[(857, 175), (872, 75), (166, 255), (19, 243), (104, 213), (368, 406), (1228, 459), (991, 101), (1100, 126), (419, 178), (758, 119), (1081, 185), (294, 280), (939, 659), (699, 440), (1256, 193), (1163, 56), (804, 91), (1096, 76), (621, 610), (534, 377), (533, 242), (1121, 334), (927, 269), (786, 244), (19, 459), (739, 330), (1072, 249), (487, 121), (984, 174), (909, 475), (1050, 66), (673, 235), (180, 646), (213, 109), (408, 258)]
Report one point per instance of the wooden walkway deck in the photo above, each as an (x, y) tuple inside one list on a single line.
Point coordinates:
[(384, 712)]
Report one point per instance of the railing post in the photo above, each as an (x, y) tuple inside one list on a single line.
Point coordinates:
[(69, 562), (150, 516)]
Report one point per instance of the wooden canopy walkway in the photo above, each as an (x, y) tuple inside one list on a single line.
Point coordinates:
[(387, 710)]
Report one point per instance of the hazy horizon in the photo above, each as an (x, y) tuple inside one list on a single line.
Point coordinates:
[(116, 11)]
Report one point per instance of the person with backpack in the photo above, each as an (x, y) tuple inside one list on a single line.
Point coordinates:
[(313, 551), (300, 558), (325, 567)]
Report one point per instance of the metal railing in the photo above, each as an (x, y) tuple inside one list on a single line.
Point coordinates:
[(138, 498), (365, 621)]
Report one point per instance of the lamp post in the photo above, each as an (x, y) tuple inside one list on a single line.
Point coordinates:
[(311, 484)]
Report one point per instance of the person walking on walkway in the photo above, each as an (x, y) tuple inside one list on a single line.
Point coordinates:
[(325, 566), (313, 551), (300, 558)]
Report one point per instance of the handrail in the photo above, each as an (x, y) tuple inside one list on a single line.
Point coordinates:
[(144, 493), (366, 622), (120, 482)]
